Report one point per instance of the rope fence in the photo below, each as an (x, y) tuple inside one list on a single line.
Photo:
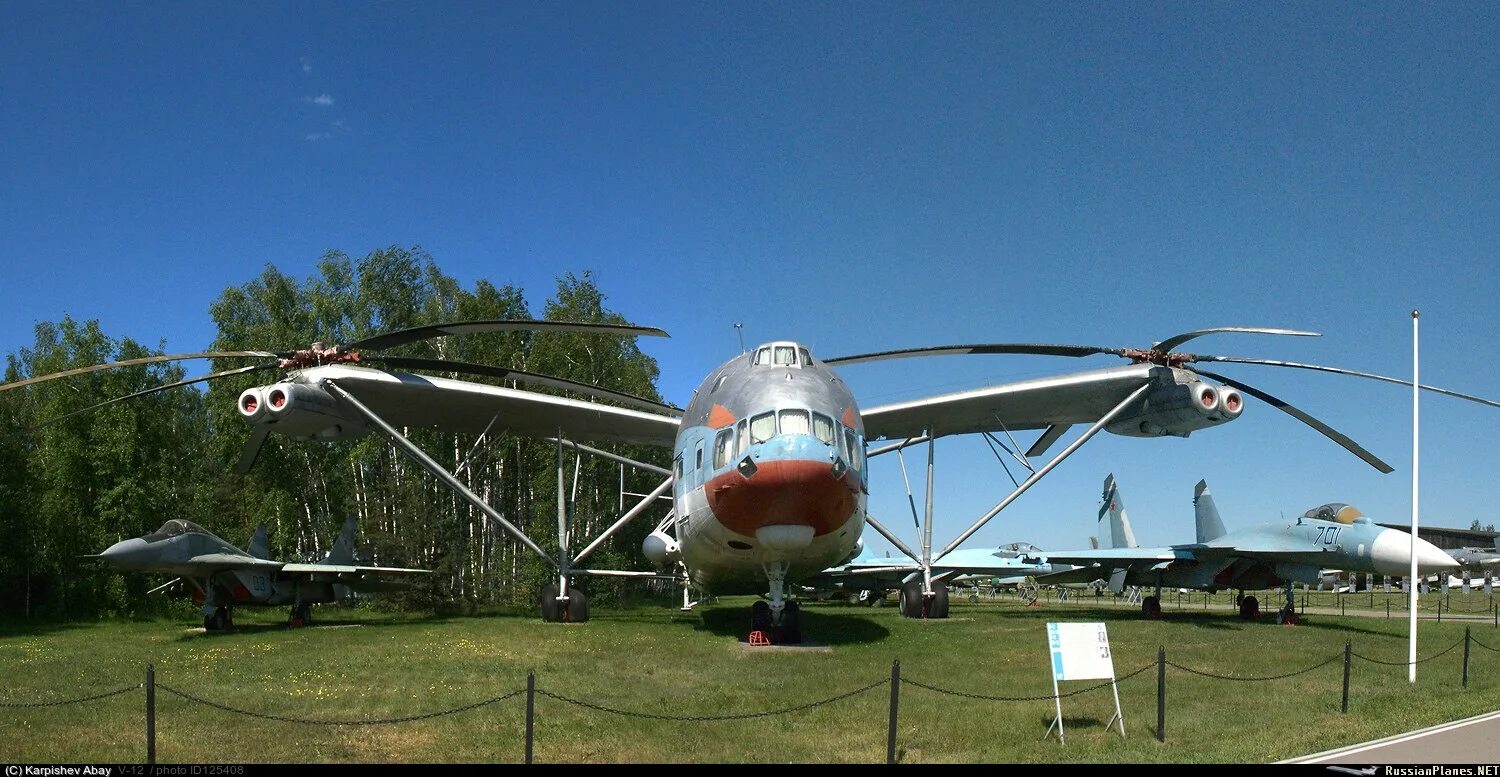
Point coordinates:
[(894, 683)]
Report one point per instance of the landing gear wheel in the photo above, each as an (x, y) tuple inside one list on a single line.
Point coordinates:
[(877, 599), (208, 622), (760, 617), (578, 606), (790, 632), (911, 600), (1289, 616), (221, 619), (974, 598), (1250, 608), (1151, 608), (937, 606), (553, 611), (301, 616)]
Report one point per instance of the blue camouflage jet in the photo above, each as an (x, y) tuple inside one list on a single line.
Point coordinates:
[(1266, 555)]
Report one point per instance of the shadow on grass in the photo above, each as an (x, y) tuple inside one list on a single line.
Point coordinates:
[(819, 627), (259, 629)]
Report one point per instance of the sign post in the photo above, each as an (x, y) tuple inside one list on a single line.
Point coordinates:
[(1080, 651)]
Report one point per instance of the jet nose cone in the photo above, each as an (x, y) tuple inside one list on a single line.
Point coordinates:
[(124, 551), (1391, 554), (1431, 558)]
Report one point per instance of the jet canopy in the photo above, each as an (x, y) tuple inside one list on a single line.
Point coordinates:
[(1337, 512), (173, 528)]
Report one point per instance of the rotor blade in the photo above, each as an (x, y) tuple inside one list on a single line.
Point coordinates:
[(251, 451), (445, 365), (1035, 349), (419, 333), (153, 390), (1342, 371), (1176, 340), (1328, 431), (134, 362)]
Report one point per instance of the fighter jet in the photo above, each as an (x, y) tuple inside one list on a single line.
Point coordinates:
[(868, 579), (222, 575), (1266, 555), (1479, 558)]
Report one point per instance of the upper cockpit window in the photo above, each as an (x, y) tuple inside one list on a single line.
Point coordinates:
[(173, 528), (763, 356), (806, 357), (786, 356)]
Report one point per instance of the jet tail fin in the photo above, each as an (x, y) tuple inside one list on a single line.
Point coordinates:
[(1114, 525), (1210, 526), (260, 545), (343, 547)]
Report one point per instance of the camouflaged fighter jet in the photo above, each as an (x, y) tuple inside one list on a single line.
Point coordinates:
[(222, 575), (1265, 555)]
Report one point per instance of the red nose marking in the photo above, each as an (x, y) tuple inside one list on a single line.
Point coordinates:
[(789, 492)]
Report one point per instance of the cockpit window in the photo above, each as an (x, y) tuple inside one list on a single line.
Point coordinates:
[(823, 428), (851, 444), (1337, 512), (786, 355), (763, 356), (806, 357), (173, 528), (794, 422), (762, 427)]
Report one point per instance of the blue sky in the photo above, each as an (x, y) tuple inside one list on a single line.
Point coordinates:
[(854, 177)]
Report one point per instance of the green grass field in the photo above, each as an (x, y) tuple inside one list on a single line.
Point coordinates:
[(360, 664)]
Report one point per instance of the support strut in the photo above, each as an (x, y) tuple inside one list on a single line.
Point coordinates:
[(421, 457), (1039, 474)]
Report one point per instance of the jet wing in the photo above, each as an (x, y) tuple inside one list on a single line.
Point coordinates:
[(1121, 557), (1076, 398), (220, 561), (404, 399), (346, 569)]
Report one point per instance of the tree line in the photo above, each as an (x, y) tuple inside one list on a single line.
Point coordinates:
[(74, 486)]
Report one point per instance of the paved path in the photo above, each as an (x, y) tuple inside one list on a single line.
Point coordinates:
[(1473, 740)]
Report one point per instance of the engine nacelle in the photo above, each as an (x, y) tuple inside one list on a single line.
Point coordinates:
[(299, 410), (660, 549), (1179, 409)]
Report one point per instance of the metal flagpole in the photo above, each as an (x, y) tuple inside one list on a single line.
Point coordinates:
[(1416, 390)]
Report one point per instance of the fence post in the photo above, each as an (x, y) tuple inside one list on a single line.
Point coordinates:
[(1348, 653), (1440, 608), (890, 734), (1161, 693), (530, 710), (1466, 656), (150, 714), (1388, 608), (1341, 605)]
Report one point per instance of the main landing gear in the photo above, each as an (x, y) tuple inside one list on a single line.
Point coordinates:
[(915, 605), (574, 609), (1249, 608), (300, 616), (1151, 605), (219, 620)]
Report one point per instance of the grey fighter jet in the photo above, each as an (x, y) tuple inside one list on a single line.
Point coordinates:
[(222, 575)]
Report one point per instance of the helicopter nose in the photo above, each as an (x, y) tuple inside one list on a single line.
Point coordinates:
[(1391, 554)]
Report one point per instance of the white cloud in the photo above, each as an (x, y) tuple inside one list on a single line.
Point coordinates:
[(306, 65), (313, 137), (323, 100)]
